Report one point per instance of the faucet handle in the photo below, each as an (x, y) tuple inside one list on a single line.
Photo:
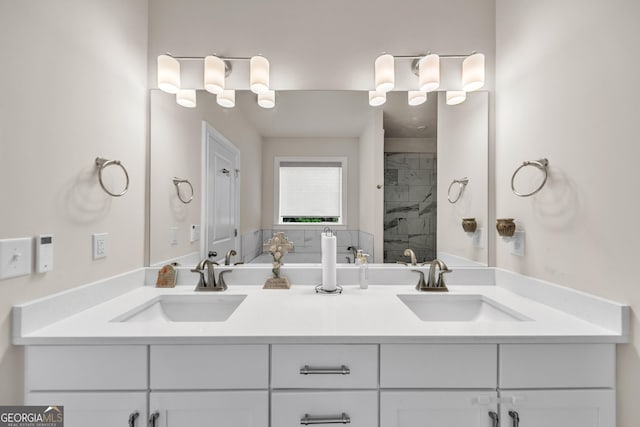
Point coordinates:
[(422, 285), (201, 283), (440, 283), (221, 283)]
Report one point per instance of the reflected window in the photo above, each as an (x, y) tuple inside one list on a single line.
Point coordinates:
[(310, 190)]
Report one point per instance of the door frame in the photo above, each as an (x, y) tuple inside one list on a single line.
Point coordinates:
[(208, 130)]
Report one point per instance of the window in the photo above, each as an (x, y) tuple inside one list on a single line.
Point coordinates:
[(310, 190)]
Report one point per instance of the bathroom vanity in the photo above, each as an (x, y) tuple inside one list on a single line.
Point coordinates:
[(498, 349)]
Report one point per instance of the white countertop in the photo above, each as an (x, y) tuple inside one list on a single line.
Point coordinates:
[(299, 315)]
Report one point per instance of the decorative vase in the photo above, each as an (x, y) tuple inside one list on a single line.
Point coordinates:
[(506, 227), (469, 225)]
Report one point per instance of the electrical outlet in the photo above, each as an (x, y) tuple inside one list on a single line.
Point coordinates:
[(516, 244), (15, 257), (194, 233), (173, 236), (100, 245)]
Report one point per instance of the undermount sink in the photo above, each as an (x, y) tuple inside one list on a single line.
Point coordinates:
[(459, 308), (184, 308)]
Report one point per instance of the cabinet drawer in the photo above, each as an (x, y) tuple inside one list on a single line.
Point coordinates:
[(288, 409), (100, 367), (557, 365), (324, 366), (209, 366), (438, 366)]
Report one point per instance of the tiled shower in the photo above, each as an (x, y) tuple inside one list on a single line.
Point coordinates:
[(409, 205)]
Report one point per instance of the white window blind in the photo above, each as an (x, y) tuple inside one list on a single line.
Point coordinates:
[(310, 189)]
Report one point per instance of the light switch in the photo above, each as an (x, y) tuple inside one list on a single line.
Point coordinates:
[(173, 236), (15, 257)]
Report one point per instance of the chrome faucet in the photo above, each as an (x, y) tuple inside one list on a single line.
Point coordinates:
[(354, 251), (433, 284), (208, 284), (227, 257), (409, 252)]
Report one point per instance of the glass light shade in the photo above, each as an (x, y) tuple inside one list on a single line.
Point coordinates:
[(377, 98), (259, 74), (267, 99), (384, 73), (227, 98), (473, 72), (455, 97), (214, 74), (168, 74), (186, 98), (416, 97), (429, 73)]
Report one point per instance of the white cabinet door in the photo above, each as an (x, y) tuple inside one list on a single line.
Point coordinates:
[(210, 409), (558, 408), (437, 408), (96, 409)]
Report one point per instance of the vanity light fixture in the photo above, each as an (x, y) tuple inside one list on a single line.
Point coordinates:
[(473, 72), (259, 74), (384, 73), (168, 74), (227, 98), (216, 70), (427, 68), (267, 99), (416, 97), (455, 97), (186, 98), (376, 98)]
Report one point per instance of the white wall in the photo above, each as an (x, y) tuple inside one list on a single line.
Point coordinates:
[(73, 88), (372, 176), (327, 147), (176, 148), (463, 150), (566, 90)]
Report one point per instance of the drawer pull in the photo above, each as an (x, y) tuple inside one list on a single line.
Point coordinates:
[(515, 418), (494, 419), (152, 419), (308, 370), (342, 419), (132, 418)]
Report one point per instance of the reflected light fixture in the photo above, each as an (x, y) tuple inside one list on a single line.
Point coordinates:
[(259, 74), (186, 98), (429, 73), (168, 74), (384, 73), (376, 98), (267, 99), (214, 74), (455, 97), (416, 97), (473, 72), (227, 98)]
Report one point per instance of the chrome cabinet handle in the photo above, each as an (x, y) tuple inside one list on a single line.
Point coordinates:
[(152, 419), (494, 418), (515, 418), (132, 418), (308, 370), (341, 419)]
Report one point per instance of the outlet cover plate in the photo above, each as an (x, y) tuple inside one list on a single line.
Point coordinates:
[(99, 245), (194, 233), (516, 244), (15, 257)]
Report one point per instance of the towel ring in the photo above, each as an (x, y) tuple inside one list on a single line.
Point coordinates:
[(462, 184), (542, 164), (102, 163), (177, 181)]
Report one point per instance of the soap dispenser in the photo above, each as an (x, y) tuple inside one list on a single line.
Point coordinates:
[(363, 274)]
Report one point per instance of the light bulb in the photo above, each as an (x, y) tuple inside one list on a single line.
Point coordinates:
[(384, 73), (186, 98), (227, 98), (429, 73), (168, 74), (473, 72), (416, 97), (377, 98), (259, 74), (267, 99), (214, 74), (455, 97)]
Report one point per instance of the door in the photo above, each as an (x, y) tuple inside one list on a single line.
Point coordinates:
[(558, 408), (222, 193), (210, 409), (96, 409), (438, 408)]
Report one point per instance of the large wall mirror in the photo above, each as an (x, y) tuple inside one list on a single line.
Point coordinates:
[(216, 175)]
